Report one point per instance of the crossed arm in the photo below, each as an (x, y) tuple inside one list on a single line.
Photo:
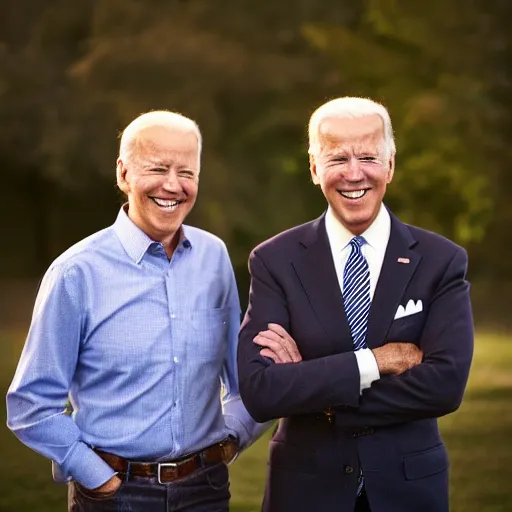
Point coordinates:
[(414, 384), (392, 358)]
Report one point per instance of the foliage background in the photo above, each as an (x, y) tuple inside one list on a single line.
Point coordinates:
[(73, 74)]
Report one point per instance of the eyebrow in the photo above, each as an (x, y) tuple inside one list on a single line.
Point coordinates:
[(367, 153), (154, 163), (354, 151), (161, 165)]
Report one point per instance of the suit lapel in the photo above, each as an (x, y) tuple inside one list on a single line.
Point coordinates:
[(393, 280), (314, 267)]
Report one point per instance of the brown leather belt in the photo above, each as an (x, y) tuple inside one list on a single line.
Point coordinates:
[(171, 471)]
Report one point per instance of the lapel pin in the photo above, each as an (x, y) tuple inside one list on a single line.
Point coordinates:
[(404, 260)]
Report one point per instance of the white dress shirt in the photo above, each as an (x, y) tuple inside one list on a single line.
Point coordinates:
[(377, 238)]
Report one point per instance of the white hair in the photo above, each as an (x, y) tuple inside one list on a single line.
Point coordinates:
[(349, 107), (162, 118)]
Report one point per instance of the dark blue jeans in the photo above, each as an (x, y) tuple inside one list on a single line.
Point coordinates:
[(205, 491)]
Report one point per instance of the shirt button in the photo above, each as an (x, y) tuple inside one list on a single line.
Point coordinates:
[(175, 359), (173, 316), (349, 470)]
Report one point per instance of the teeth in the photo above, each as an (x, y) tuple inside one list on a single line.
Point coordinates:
[(172, 205), (356, 194)]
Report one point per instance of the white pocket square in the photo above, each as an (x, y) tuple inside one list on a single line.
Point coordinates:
[(411, 309)]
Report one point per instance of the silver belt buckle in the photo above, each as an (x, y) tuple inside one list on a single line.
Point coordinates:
[(165, 465)]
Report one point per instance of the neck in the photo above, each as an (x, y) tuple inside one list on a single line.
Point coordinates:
[(171, 242)]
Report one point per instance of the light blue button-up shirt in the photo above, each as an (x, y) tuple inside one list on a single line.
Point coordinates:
[(144, 347)]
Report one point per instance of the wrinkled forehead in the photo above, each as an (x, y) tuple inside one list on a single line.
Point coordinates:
[(361, 133)]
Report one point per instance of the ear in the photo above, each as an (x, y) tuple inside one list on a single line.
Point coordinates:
[(121, 171), (391, 168), (312, 168)]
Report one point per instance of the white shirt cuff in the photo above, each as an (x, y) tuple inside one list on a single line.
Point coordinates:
[(368, 368)]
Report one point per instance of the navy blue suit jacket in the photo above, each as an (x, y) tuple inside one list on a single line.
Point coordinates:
[(391, 429)]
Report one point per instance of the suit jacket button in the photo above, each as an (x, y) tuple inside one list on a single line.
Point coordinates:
[(349, 470)]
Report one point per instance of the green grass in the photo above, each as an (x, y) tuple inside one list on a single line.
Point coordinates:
[(477, 437)]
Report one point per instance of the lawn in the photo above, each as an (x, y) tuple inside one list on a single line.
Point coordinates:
[(477, 437)]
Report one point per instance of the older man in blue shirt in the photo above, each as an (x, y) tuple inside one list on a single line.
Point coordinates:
[(138, 325)]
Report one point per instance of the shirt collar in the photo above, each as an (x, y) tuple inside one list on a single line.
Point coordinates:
[(134, 240), (377, 234)]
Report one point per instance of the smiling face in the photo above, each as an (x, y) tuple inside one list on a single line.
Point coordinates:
[(353, 168), (160, 178)]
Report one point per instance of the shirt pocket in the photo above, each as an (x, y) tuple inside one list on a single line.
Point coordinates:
[(209, 333)]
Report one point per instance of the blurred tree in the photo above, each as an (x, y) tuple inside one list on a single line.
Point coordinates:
[(244, 72), (251, 73), (492, 256), (428, 65), (37, 44)]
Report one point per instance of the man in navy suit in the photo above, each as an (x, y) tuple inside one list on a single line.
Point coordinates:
[(358, 335)]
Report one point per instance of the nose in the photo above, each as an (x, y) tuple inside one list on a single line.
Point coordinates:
[(353, 171), (171, 182)]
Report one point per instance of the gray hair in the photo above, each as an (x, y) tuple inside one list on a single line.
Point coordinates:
[(163, 118), (349, 107)]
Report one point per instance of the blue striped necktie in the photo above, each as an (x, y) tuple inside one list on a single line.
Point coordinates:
[(356, 296), (356, 292)]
